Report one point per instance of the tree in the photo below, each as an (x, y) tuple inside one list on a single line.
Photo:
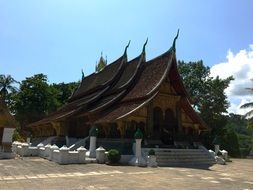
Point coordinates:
[(249, 114), (32, 102), (7, 85), (62, 92), (36, 98), (207, 93), (208, 97)]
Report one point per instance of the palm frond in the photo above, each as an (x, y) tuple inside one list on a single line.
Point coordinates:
[(247, 105), (249, 114)]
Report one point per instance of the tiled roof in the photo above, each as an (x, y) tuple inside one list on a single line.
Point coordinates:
[(122, 87)]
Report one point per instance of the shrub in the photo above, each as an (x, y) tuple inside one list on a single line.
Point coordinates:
[(114, 156), (17, 136), (151, 152)]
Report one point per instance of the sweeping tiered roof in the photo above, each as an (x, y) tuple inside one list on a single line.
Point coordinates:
[(123, 87), (6, 119)]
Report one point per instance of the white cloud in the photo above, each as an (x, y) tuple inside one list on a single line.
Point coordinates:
[(240, 66)]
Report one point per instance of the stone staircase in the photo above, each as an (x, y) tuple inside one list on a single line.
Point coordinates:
[(182, 157)]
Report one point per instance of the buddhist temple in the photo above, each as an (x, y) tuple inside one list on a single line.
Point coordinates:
[(126, 95), (7, 126)]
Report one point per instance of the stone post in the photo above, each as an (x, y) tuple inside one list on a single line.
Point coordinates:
[(67, 140), (47, 150), (28, 140), (216, 148), (81, 154), (52, 148), (93, 140), (138, 160), (217, 141), (100, 155), (41, 149), (24, 149), (64, 151)]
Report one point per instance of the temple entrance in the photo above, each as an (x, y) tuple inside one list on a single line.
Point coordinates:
[(164, 125), (157, 122)]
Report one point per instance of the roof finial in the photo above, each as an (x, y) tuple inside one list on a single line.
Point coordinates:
[(143, 49), (82, 74), (127, 47), (174, 41)]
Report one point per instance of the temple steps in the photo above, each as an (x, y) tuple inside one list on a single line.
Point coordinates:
[(183, 157)]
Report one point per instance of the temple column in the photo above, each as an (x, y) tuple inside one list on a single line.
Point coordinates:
[(106, 129), (179, 116), (149, 122), (121, 128), (57, 127)]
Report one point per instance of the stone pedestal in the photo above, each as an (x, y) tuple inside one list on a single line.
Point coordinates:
[(81, 154), (24, 149), (47, 150), (216, 148), (92, 150), (100, 155), (52, 148), (151, 161), (224, 154), (64, 151), (138, 160)]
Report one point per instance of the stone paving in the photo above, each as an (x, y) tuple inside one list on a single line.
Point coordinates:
[(37, 174)]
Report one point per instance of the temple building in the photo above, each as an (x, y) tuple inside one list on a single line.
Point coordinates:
[(126, 95), (7, 127)]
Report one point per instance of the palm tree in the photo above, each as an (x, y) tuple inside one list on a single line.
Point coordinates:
[(6, 85), (249, 114)]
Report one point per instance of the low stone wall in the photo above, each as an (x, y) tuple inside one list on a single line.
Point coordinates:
[(51, 152)]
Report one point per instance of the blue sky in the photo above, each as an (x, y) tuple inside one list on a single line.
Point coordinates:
[(60, 37)]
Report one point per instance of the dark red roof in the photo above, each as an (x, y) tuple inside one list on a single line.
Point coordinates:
[(122, 87)]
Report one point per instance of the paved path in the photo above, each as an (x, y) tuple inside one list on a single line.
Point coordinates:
[(37, 174)]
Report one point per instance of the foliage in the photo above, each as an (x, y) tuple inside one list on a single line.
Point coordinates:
[(8, 88), (207, 93), (36, 98), (138, 134), (6, 85), (63, 91), (239, 124), (245, 144), (17, 135), (230, 142), (249, 114), (151, 152), (114, 156), (33, 100)]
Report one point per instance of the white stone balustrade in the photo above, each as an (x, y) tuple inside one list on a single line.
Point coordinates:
[(52, 148), (47, 151)]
